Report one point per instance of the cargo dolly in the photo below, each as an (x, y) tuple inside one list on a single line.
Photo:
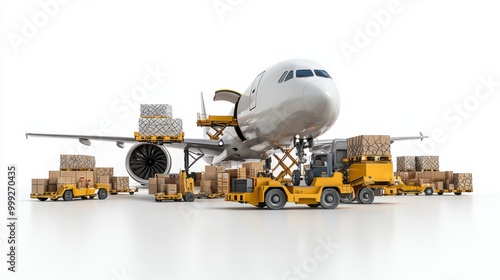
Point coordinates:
[(69, 191)]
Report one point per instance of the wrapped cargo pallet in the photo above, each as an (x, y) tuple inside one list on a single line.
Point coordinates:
[(369, 145), (462, 181), (156, 110), (102, 171), (120, 183), (77, 162), (160, 127), (405, 163), (427, 163)]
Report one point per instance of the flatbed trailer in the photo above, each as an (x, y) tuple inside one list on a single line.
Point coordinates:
[(129, 190), (69, 191)]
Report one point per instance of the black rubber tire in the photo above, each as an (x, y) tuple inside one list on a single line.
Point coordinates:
[(68, 195), (416, 193), (102, 194), (189, 197), (113, 193), (275, 199), (131, 193), (296, 177), (428, 191), (84, 197), (92, 196), (440, 193), (365, 196), (330, 199), (313, 205), (42, 198), (348, 199), (54, 199), (309, 178), (458, 193)]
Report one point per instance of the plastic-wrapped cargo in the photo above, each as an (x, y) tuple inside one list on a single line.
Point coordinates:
[(369, 145), (160, 126), (462, 181), (156, 110), (77, 162), (120, 183), (102, 171), (405, 163), (427, 163)]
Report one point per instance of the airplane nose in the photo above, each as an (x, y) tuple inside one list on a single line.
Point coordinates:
[(317, 100)]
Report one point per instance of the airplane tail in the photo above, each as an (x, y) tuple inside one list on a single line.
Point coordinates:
[(204, 115)]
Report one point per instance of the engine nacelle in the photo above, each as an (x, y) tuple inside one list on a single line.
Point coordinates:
[(144, 160)]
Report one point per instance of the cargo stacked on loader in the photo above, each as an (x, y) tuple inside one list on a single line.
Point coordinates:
[(156, 124)]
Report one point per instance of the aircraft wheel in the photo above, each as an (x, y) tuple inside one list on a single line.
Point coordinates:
[(330, 199), (296, 177), (68, 195), (365, 196), (102, 194), (309, 177), (275, 199)]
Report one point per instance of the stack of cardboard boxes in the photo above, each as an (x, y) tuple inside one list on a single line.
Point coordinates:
[(103, 175), (425, 170), (156, 120), (164, 183), (119, 183), (369, 145)]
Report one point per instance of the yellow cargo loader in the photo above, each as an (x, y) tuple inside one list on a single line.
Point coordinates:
[(267, 192), (130, 190), (69, 191)]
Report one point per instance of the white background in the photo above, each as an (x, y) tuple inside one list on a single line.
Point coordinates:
[(414, 70)]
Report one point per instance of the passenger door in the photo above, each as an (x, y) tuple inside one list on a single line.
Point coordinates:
[(253, 91)]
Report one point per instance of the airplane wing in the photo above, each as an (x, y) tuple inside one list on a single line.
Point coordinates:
[(208, 147), (320, 146)]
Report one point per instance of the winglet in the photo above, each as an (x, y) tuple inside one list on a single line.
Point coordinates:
[(204, 114)]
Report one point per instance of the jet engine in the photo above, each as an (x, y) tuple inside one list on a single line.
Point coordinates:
[(144, 160)]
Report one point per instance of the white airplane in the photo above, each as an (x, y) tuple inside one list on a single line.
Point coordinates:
[(288, 104)]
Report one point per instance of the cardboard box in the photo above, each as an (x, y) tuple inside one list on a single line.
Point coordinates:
[(53, 175), (439, 186), (448, 175), (405, 163), (427, 163), (369, 145), (104, 179), (220, 169), (171, 189), (153, 188), (68, 174), (121, 183), (242, 173), (462, 181), (162, 188), (77, 162), (66, 180), (210, 172), (52, 187), (103, 171), (206, 186), (39, 186), (451, 187), (253, 168)]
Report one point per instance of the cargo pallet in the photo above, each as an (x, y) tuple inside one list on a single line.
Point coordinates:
[(131, 191), (367, 158), (163, 197), (209, 195), (76, 169), (159, 139)]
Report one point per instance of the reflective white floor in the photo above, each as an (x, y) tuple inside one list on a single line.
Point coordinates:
[(134, 237)]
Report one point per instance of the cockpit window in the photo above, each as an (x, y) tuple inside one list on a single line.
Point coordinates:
[(282, 77), (321, 73), (289, 76), (304, 73)]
